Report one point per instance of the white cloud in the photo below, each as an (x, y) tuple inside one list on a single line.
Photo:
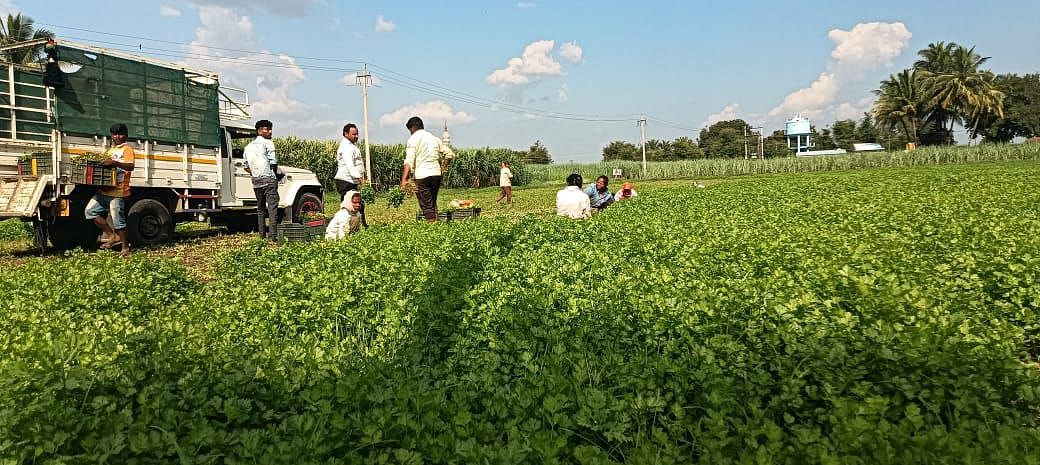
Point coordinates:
[(8, 7), (280, 7), (271, 86), (526, 4), (864, 48), (169, 11), (729, 112), (853, 110), (382, 25), (536, 61), (571, 52), (434, 111), (562, 93)]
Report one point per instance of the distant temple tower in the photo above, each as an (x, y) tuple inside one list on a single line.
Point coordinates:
[(446, 137)]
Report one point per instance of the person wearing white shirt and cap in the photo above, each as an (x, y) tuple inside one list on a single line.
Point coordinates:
[(571, 201)]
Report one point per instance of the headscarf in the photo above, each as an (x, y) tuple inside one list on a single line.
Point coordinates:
[(346, 203)]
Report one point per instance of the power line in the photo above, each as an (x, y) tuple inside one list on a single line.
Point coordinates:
[(253, 52), (401, 80)]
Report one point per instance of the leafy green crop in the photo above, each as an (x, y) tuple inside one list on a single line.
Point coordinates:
[(875, 316), (395, 197)]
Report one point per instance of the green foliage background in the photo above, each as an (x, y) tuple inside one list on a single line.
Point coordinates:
[(471, 167), (875, 316)]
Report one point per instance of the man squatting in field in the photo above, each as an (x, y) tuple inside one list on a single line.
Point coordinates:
[(422, 154)]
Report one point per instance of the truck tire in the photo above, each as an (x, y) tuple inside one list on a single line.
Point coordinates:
[(148, 222), (306, 202), (69, 233)]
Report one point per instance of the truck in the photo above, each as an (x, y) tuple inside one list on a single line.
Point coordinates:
[(186, 129)]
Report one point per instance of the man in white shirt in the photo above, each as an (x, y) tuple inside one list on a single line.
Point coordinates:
[(263, 167), (350, 166), (571, 201), (505, 181), (423, 157)]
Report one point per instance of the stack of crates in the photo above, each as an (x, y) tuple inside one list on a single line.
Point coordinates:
[(37, 164)]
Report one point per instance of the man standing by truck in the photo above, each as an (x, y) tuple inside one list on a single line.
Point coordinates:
[(263, 166), (350, 166), (422, 154), (111, 202)]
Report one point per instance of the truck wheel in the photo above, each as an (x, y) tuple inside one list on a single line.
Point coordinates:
[(148, 223), (306, 202), (69, 233)]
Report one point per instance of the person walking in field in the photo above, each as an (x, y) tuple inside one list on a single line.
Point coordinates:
[(263, 166), (425, 156), (571, 201), (599, 194), (348, 219), (110, 203), (350, 166), (505, 182)]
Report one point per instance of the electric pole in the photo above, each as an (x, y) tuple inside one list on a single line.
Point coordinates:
[(745, 142), (363, 80), (642, 140)]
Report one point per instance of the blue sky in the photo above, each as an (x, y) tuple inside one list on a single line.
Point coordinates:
[(575, 75)]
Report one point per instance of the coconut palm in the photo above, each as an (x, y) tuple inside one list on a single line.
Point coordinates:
[(964, 91), (900, 103), (17, 28), (936, 57)]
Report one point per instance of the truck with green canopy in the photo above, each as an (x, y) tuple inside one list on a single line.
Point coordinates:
[(182, 124)]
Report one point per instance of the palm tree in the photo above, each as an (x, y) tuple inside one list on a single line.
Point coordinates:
[(936, 57), (965, 92), (18, 28), (900, 102)]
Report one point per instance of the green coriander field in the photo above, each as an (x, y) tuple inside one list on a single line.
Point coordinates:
[(882, 316)]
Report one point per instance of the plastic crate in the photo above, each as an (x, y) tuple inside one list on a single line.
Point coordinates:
[(39, 165), (91, 173), (465, 214), (442, 217), (296, 232)]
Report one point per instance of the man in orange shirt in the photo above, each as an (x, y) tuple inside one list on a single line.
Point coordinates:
[(111, 201)]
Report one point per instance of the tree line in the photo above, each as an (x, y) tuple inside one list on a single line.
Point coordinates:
[(946, 88)]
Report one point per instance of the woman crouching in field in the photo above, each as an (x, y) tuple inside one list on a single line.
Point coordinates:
[(348, 219)]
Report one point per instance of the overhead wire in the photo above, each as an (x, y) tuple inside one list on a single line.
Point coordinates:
[(387, 74)]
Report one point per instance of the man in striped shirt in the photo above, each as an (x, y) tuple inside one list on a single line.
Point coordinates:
[(423, 156)]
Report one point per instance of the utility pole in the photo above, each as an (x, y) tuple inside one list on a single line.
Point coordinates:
[(363, 80), (745, 142), (642, 140), (760, 144)]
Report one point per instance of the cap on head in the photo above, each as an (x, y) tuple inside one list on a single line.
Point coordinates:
[(119, 129)]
